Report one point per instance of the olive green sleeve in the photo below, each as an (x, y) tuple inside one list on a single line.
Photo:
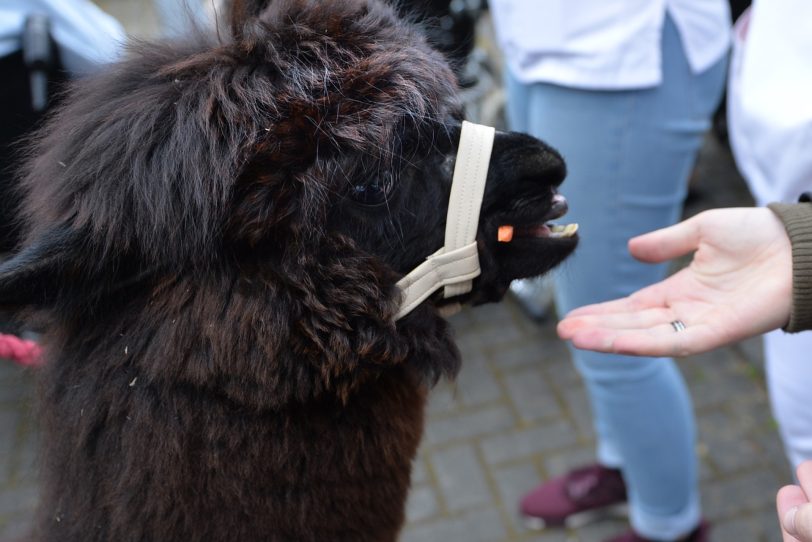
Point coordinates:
[(797, 219)]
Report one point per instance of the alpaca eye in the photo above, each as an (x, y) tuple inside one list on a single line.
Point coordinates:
[(375, 192)]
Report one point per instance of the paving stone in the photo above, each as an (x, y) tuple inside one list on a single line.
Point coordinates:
[(774, 455), (18, 499), (442, 399), (25, 465), (9, 421), (560, 463), (601, 530), (524, 443), (469, 424), (462, 320), (562, 372), (513, 482), (714, 365), (531, 395), (493, 316), (549, 535), (740, 529), (705, 470), (752, 350), (476, 383), (15, 384), (768, 523), (16, 528), (422, 504), (489, 336), (578, 409), (483, 525), (752, 414), (713, 390), (461, 478), (730, 447), (470, 347), (420, 474), (539, 346), (744, 493)]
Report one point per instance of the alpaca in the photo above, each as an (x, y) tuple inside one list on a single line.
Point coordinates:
[(215, 231)]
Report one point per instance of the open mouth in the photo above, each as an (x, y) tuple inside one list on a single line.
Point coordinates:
[(544, 229)]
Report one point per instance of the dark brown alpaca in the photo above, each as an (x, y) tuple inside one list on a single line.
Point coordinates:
[(215, 233)]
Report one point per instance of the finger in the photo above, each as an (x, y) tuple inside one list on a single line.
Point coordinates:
[(797, 520), (661, 340), (794, 513), (635, 319), (788, 499), (649, 297), (804, 474), (667, 243), (622, 305)]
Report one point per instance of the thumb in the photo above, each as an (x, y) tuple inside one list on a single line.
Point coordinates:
[(667, 243), (798, 522)]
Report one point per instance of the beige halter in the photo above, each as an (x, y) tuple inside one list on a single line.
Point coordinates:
[(456, 264)]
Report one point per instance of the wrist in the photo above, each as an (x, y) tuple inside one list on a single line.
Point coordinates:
[(797, 221)]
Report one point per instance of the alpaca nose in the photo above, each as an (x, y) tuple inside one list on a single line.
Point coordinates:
[(526, 158)]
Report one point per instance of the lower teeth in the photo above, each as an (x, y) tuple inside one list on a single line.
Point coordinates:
[(563, 231)]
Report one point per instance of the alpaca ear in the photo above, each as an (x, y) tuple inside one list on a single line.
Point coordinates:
[(35, 274), (243, 11)]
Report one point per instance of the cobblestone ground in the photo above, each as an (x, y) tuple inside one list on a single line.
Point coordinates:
[(517, 414)]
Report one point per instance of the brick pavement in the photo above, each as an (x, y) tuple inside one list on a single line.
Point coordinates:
[(517, 414)]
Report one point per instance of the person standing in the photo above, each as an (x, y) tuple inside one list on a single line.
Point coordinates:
[(625, 91), (43, 44), (770, 125)]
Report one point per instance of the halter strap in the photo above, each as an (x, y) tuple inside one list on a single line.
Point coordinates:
[(454, 266)]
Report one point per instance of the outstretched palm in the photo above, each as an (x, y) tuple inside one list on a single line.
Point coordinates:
[(738, 284)]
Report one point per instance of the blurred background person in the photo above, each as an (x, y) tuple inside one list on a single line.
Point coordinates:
[(770, 126), (42, 44), (625, 91)]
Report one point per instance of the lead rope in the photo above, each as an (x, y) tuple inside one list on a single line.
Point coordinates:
[(454, 266)]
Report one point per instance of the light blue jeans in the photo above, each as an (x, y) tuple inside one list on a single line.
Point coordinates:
[(629, 155)]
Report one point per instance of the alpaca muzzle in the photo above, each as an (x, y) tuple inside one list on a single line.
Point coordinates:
[(456, 265)]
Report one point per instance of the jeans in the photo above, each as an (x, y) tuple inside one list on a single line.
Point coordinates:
[(629, 154)]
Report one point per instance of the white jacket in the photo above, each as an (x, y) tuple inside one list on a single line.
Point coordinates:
[(605, 44), (770, 99), (85, 35)]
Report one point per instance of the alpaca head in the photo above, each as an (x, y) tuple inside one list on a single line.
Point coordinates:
[(310, 154)]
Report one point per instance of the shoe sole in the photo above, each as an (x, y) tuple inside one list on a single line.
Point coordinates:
[(580, 519)]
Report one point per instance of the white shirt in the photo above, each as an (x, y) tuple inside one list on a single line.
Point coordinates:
[(605, 44), (86, 36), (770, 99)]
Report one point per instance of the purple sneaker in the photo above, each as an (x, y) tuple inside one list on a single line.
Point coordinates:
[(575, 499), (700, 534)]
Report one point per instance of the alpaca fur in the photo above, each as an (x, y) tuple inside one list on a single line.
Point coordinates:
[(215, 230)]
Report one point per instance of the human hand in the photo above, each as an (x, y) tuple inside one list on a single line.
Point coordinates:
[(739, 284), (794, 509)]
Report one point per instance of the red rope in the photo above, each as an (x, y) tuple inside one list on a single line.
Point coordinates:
[(21, 351)]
